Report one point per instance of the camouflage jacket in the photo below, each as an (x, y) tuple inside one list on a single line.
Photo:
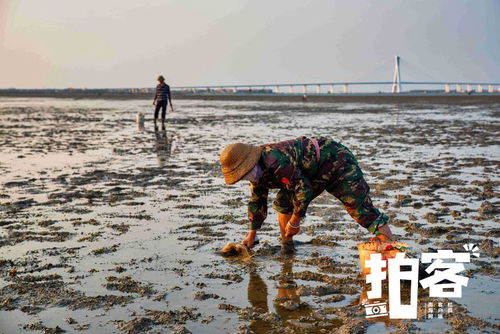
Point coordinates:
[(292, 165)]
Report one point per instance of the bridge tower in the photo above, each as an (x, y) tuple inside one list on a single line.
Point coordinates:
[(396, 82)]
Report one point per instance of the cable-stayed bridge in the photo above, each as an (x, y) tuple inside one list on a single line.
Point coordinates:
[(321, 88)]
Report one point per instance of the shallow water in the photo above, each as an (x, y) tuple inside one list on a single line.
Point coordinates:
[(78, 176)]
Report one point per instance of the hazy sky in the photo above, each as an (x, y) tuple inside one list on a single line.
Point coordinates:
[(127, 43)]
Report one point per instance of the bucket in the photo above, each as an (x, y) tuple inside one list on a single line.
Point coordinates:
[(387, 249)]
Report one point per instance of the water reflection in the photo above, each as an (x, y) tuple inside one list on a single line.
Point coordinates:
[(139, 120), (163, 146), (286, 304)]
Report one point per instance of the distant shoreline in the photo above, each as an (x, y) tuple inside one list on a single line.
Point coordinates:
[(382, 98)]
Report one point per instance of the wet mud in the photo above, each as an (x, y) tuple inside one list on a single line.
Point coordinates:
[(106, 227)]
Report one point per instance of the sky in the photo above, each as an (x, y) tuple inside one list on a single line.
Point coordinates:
[(128, 43)]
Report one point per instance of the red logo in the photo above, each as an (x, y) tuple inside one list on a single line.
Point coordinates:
[(285, 181)]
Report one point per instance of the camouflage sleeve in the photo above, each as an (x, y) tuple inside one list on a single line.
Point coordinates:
[(257, 206)]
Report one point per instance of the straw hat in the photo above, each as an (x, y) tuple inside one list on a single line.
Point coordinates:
[(237, 160)]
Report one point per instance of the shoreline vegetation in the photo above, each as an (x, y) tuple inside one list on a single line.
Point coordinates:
[(381, 98)]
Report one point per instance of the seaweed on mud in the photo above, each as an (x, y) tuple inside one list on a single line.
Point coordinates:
[(321, 290), (15, 237), (38, 326), (121, 228), (402, 200), (228, 277), (489, 248), (488, 210), (37, 278), (91, 237), (201, 295), (97, 302), (462, 322), (127, 284), (431, 218), (136, 325), (50, 290), (174, 317), (104, 250), (79, 222)]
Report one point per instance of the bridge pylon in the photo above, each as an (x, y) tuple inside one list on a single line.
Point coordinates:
[(396, 82)]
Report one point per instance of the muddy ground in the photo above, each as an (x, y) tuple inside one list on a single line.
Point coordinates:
[(109, 228)]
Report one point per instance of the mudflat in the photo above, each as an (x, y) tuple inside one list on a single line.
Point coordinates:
[(110, 228), (372, 98)]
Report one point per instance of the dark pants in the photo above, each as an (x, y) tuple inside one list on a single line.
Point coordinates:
[(163, 106)]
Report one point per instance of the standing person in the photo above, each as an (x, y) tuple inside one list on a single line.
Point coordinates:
[(162, 97), (301, 169)]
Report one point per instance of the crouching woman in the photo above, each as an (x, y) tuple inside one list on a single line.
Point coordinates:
[(301, 169)]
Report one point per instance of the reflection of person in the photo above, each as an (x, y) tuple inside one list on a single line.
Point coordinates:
[(162, 97), (301, 169), (162, 144), (287, 292)]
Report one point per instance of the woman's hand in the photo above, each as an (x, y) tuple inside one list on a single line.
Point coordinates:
[(293, 226), (384, 236), (250, 239)]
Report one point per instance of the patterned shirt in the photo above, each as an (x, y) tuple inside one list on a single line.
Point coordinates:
[(287, 165), (162, 92), (292, 167)]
